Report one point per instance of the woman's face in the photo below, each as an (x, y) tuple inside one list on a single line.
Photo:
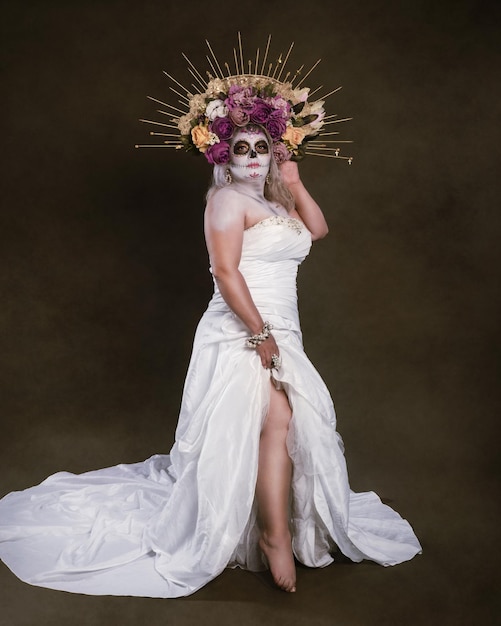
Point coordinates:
[(250, 155)]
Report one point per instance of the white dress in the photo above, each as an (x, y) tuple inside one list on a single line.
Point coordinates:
[(168, 525)]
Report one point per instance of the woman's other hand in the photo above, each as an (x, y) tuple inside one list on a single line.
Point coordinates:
[(266, 350)]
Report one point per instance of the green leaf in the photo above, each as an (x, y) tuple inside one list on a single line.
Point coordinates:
[(309, 118)]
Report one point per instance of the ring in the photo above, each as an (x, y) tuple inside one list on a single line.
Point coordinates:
[(276, 361)]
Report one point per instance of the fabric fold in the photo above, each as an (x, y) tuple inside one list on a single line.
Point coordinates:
[(167, 526)]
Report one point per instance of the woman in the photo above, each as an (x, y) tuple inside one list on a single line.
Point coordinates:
[(257, 474), (230, 212)]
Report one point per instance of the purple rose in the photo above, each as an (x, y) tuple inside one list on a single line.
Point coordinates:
[(280, 153), (239, 117), (276, 125), (260, 111), (240, 97), (219, 153), (280, 104), (223, 127)]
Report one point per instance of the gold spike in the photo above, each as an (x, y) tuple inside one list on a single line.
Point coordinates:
[(265, 54), (326, 134), (285, 61), (180, 95), (321, 144), (286, 77), (175, 109), (335, 141), (195, 70), (241, 52), (269, 70), (212, 66), (330, 156), (215, 59), (314, 91), (227, 69), (158, 101), (279, 62), (330, 93), (250, 66), (344, 119), (167, 135), (341, 119), (336, 150), (203, 85), (306, 75), (236, 62), (298, 72), (257, 60), (152, 122), (166, 113), (178, 83)]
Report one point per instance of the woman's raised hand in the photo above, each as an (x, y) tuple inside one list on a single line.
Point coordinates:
[(290, 173)]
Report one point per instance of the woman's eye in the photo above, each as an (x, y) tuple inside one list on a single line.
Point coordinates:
[(262, 148), (241, 148)]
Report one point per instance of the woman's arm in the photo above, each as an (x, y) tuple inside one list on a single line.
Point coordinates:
[(307, 209), (224, 230)]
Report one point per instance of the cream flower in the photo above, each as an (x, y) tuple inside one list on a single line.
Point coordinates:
[(215, 87), (184, 124), (216, 108), (197, 104)]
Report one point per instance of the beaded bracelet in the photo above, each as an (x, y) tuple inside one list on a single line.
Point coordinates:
[(257, 340)]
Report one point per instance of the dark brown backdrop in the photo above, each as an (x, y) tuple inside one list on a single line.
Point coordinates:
[(104, 275)]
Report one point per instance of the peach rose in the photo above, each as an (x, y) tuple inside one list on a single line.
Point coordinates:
[(294, 136), (201, 137)]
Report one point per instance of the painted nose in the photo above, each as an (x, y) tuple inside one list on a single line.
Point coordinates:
[(253, 154)]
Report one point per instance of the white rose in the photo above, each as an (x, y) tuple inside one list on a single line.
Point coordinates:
[(216, 108)]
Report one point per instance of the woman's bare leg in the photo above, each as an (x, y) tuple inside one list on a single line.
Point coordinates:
[(272, 492)]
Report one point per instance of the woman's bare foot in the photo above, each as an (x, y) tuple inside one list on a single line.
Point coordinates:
[(278, 551)]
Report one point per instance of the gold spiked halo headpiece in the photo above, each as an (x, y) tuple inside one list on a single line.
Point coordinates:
[(213, 108)]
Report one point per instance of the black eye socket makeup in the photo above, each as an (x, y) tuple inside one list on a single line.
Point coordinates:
[(262, 147), (242, 147)]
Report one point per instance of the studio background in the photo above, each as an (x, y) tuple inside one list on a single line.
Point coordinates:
[(104, 277)]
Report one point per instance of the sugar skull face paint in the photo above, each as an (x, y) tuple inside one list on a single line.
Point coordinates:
[(250, 155)]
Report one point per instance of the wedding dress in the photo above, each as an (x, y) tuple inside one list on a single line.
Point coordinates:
[(168, 525)]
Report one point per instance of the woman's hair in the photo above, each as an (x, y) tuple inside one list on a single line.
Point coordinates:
[(274, 191)]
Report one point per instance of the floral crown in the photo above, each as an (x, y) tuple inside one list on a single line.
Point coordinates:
[(224, 103)]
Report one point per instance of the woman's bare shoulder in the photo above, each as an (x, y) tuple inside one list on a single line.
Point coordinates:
[(225, 206), (224, 197)]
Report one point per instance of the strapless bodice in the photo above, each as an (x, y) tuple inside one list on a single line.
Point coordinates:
[(272, 250)]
